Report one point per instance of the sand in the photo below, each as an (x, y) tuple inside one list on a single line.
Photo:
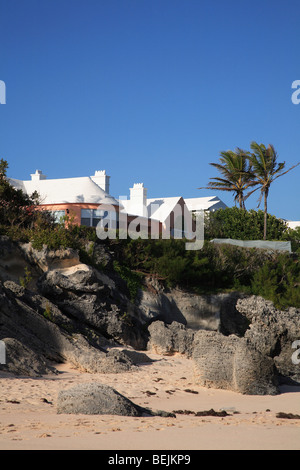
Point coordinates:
[(29, 421)]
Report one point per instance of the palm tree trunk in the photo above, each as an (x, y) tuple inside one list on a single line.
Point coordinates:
[(241, 201), (265, 214)]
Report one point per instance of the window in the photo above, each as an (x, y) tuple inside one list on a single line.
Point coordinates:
[(58, 215), (91, 218)]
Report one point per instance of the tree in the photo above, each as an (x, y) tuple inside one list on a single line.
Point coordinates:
[(265, 170), (237, 175), (3, 168), (17, 208)]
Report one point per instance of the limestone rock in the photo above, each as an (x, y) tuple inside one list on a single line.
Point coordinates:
[(215, 312), (47, 259), (169, 339), (272, 332), (231, 363), (99, 399), (94, 398)]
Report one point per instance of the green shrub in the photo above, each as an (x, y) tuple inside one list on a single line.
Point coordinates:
[(279, 282), (132, 279), (240, 224), (25, 281)]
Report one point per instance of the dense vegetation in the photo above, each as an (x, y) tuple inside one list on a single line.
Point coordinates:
[(240, 224), (215, 268), (273, 275)]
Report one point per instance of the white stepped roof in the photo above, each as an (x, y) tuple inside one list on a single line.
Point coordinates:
[(66, 190), (160, 208), (204, 203)]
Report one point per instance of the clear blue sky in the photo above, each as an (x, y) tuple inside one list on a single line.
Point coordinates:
[(150, 90)]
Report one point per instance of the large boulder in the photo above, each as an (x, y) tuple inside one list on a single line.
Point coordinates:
[(231, 363), (99, 399), (169, 339), (272, 332), (94, 398)]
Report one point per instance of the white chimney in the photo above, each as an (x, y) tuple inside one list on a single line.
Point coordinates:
[(102, 180), (138, 200), (37, 176)]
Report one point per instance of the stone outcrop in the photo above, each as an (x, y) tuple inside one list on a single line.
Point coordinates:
[(22, 360), (226, 362), (256, 362), (84, 296), (77, 313), (69, 312), (37, 333), (99, 399), (47, 260), (232, 363), (272, 333), (169, 339), (215, 312)]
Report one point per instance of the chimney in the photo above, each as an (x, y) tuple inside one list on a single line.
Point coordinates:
[(138, 200), (37, 176), (102, 180)]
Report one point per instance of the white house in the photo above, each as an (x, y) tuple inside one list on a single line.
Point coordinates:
[(160, 207), (79, 197), (293, 224), (167, 210), (87, 199)]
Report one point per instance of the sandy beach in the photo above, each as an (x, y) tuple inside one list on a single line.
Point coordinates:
[(29, 420)]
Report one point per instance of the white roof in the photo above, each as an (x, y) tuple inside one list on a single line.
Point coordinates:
[(156, 209), (66, 190), (204, 203), (293, 224), (160, 209)]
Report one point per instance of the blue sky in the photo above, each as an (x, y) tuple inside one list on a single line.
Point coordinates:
[(150, 90)]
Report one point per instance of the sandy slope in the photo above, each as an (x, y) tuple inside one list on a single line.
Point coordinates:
[(28, 418)]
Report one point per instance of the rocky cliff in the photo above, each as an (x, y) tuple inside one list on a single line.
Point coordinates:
[(54, 308)]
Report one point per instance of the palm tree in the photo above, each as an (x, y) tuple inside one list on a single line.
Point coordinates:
[(266, 169), (237, 176)]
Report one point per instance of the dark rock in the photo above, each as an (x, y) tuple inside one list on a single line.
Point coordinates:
[(84, 296), (21, 360), (39, 337), (214, 312), (135, 357), (284, 415), (212, 412)]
